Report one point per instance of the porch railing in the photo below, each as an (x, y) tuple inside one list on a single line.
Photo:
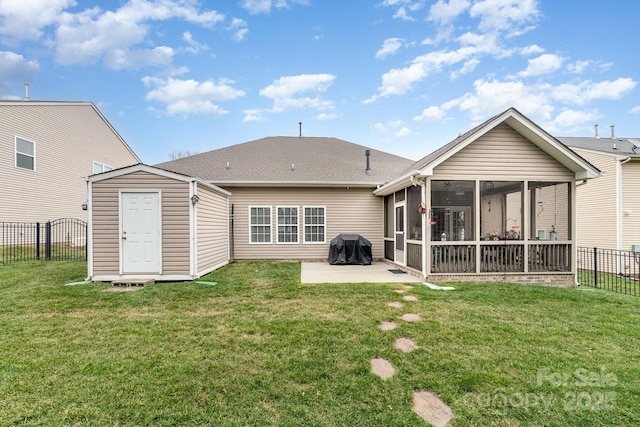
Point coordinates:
[(610, 270), (453, 259)]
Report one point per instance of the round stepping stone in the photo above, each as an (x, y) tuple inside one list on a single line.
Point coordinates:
[(387, 326), (410, 298), (395, 304), (400, 291), (406, 345), (431, 408), (382, 368), (410, 317)]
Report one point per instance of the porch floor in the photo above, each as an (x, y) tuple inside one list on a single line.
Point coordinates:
[(377, 272)]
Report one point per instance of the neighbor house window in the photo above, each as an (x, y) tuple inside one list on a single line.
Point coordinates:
[(287, 224), (314, 224), (100, 167), (25, 154), (260, 224)]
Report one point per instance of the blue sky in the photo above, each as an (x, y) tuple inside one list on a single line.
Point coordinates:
[(403, 76)]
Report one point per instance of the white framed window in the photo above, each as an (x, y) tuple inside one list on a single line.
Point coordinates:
[(287, 224), (25, 154), (100, 167), (260, 224), (314, 224)]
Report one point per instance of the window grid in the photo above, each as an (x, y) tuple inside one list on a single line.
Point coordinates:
[(100, 167), (314, 224), (260, 224), (25, 154), (287, 224)]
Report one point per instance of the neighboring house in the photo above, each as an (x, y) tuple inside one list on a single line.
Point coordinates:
[(46, 148), (496, 203), (608, 209)]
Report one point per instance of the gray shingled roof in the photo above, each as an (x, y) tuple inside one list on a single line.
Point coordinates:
[(291, 160), (618, 146)]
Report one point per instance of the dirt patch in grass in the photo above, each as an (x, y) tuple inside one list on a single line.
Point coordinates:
[(431, 408), (406, 345), (411, 317), (382, 368), (395, 304), (388, 326), (410, 298)]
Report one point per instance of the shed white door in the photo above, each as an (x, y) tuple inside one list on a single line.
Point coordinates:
[(140, 233)]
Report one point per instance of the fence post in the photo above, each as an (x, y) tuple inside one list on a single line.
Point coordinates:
[(595, 267), (47, 241), (38, 241)]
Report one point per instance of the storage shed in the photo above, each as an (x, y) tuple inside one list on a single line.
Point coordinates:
[(149, 223)]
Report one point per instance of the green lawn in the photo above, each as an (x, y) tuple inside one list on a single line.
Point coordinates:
[(260, 349)]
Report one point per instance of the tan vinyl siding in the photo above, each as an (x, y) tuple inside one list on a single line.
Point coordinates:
[(503, 154), (352, 210), (596, 204), (68, 139), (174, 201), (212, 229), (630, 204)]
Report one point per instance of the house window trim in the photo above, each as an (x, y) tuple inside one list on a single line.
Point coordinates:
[(297, 225), (270, 225), (15, 153), (304, 225), (103, 166)]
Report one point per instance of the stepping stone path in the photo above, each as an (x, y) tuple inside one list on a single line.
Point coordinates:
[(431, 408), (425, 403), (406, 345), (410, 317), (388, 326), (382, 368)]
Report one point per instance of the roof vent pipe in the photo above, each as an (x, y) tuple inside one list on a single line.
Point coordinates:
[(26, 91), (300, 127), (596, 128), (612, 133), (367, 154)]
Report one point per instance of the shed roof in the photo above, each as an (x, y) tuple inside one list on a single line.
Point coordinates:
[(289, 161)]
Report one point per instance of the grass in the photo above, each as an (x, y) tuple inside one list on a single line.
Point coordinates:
[(260, 349)]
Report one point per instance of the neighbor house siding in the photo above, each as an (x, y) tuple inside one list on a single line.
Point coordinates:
[(596, 203), (68, 139), (504, 154), (174, 205), (212, 230), (630, 204), (352, 210)]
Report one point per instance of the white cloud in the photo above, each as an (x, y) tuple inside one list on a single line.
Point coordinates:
[(239, 28), (255, 7), (504, 15), (326, 116), (253, 115), (389, 47), (543, 64), (184, 97), (288, 92), (405, 131), (571, 118), (443, 12), (467, 68), (25, 20), (531, 50), (580, 93), (635, 110), (86, 37), (15, 67), (578, 67), (193, 46), (432, 114)]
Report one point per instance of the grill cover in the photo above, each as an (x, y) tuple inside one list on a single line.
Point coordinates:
[(350, 249)]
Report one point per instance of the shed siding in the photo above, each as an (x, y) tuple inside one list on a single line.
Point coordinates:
[(596, 204), (68, 138), (503, 154), (175, 221), (212, 230), (630, 204), (347, 211)]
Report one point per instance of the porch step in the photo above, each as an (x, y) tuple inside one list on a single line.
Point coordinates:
[(133, 282)]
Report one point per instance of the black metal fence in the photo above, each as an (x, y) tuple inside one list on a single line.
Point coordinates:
[(63, 239), (609, 269)]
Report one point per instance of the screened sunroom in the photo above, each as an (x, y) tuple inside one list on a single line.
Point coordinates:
[(497, 203)]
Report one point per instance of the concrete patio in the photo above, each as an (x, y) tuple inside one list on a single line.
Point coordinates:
[(377, 272)]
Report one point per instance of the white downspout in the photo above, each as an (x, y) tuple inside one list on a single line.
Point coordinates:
[(193, 239), (89, 240), (619, 202)]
